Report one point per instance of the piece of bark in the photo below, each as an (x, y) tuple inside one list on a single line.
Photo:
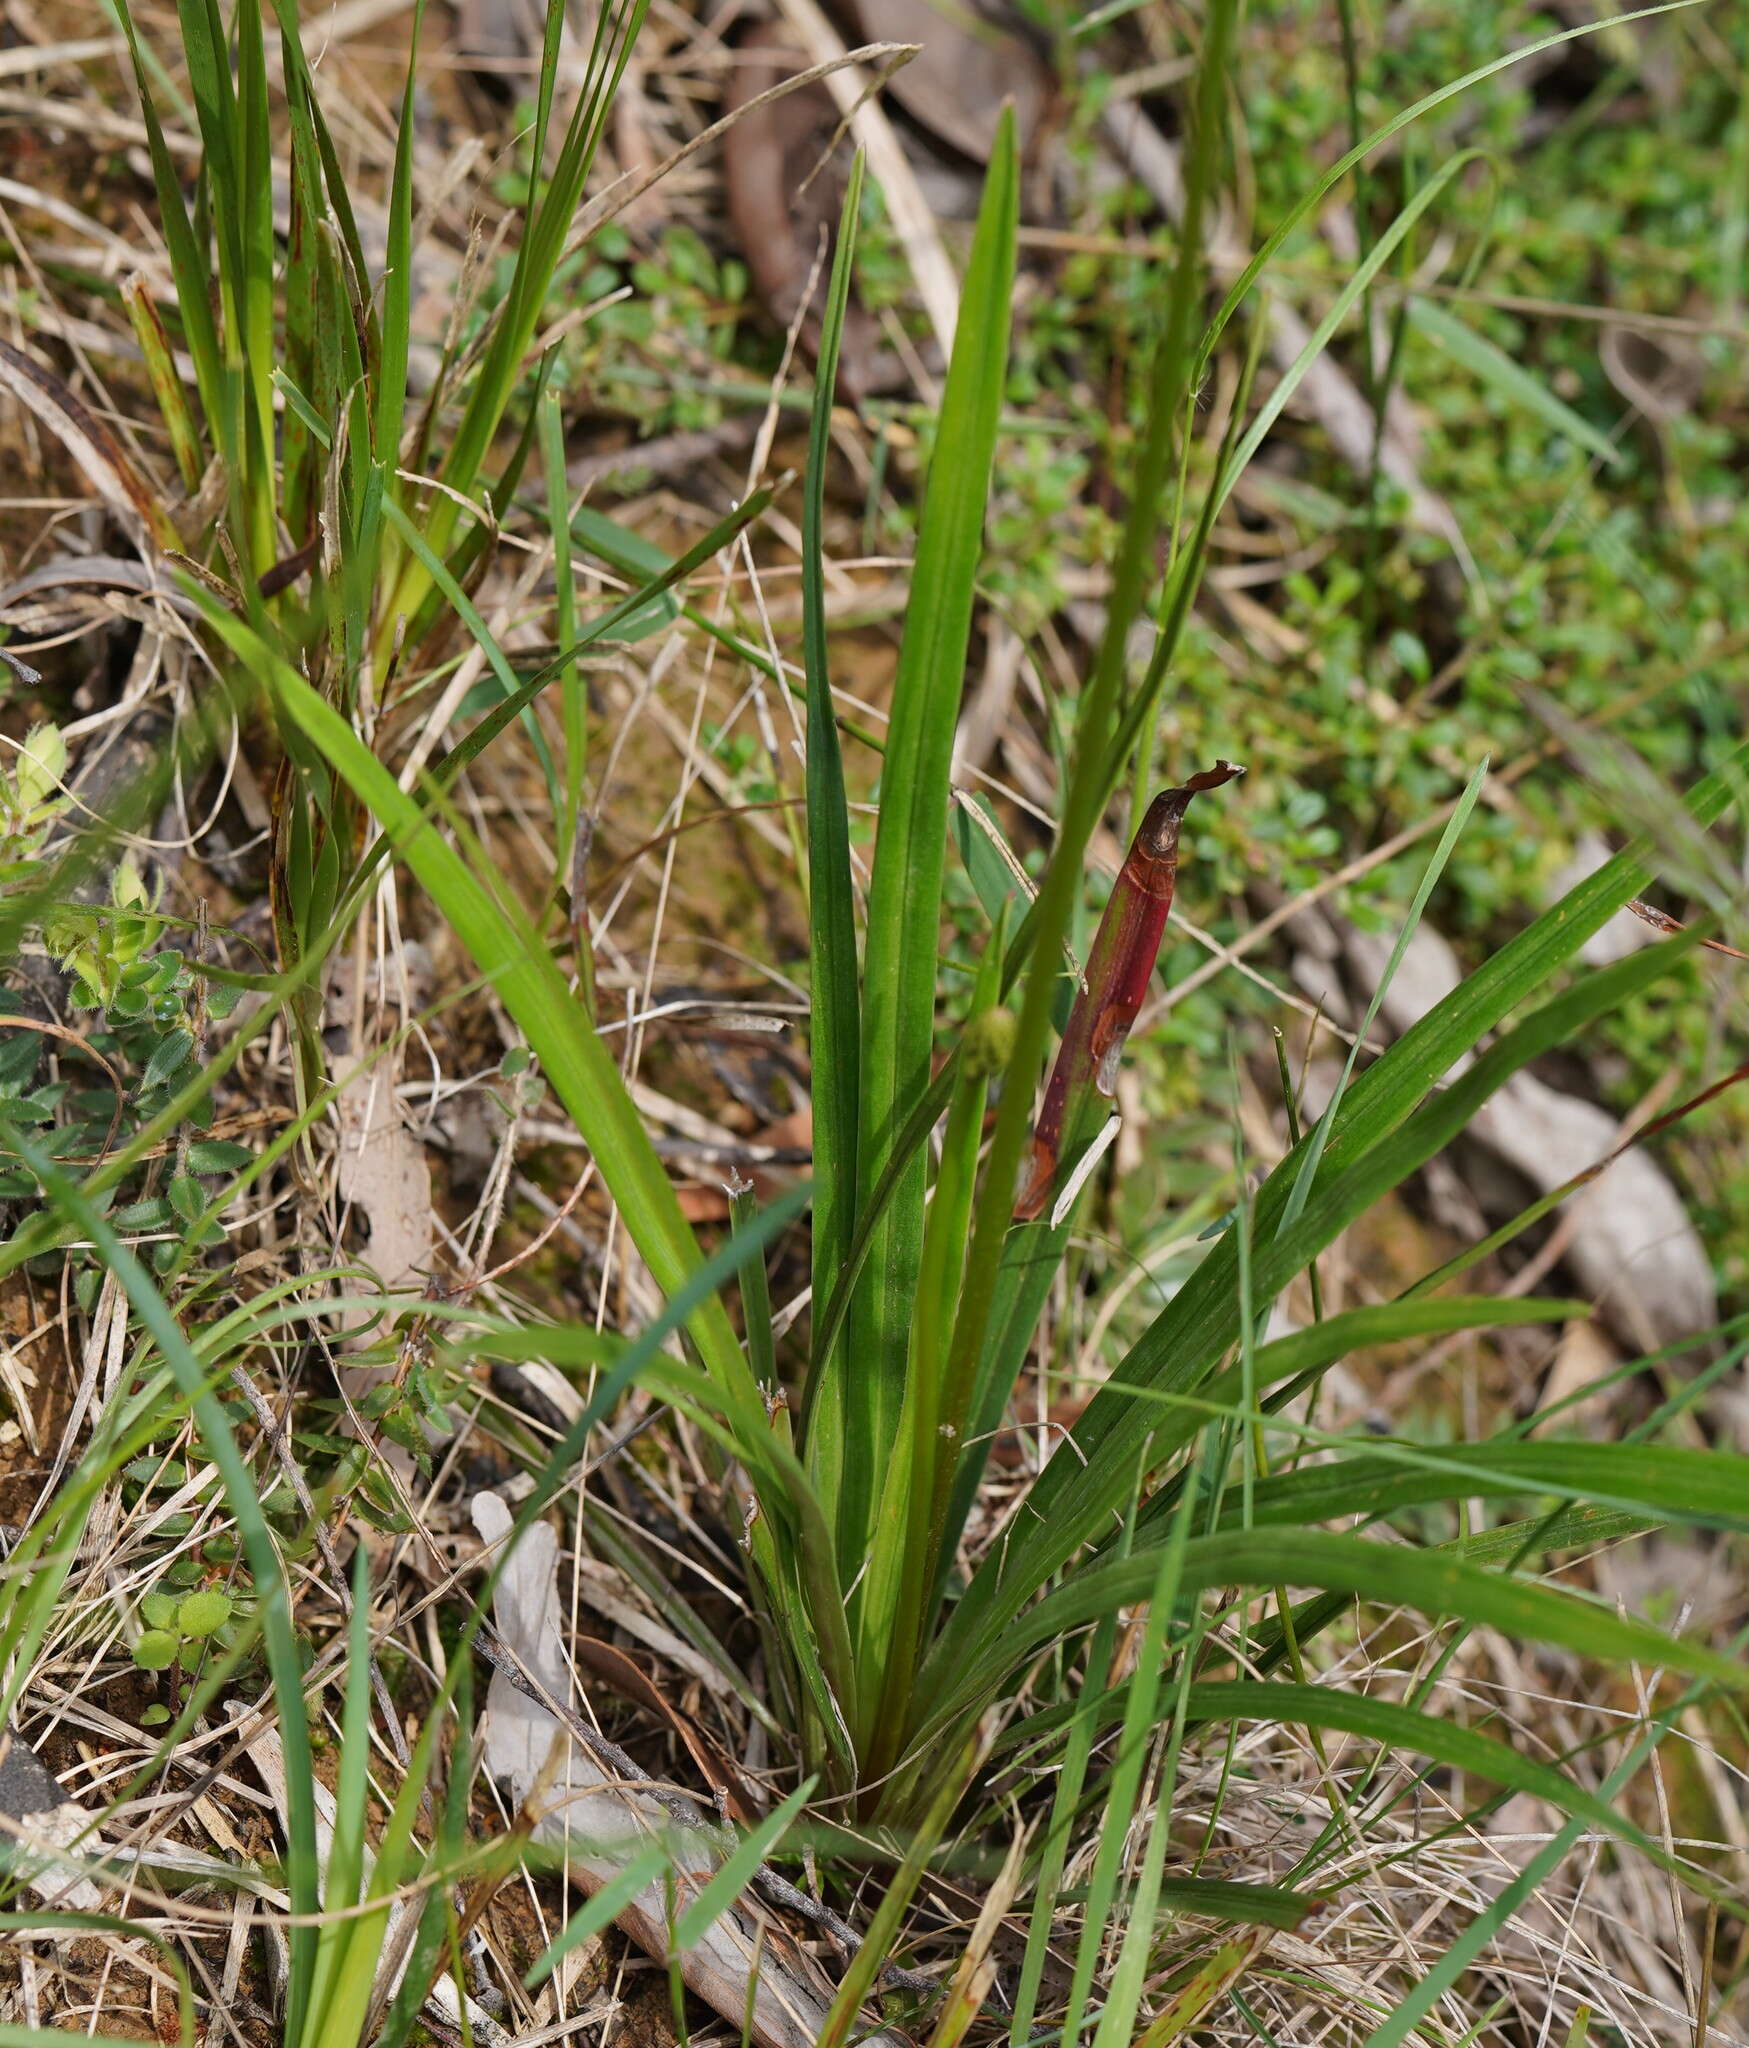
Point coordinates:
[(383, 1172)]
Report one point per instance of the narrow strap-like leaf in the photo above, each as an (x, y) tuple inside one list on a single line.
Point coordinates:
[(834, 994), (904, 913)]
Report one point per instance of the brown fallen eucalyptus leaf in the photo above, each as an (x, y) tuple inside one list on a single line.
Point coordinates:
[(786, 183), (968, 67), (382, 1171)]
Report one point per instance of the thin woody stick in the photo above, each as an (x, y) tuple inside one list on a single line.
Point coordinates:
[(1114, 986)]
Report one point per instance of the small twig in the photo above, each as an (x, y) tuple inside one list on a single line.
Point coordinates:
[(528, 1251)]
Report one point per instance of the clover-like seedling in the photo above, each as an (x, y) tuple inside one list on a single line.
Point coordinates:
[(156, 1650), (177, 1629), (203, 1614)]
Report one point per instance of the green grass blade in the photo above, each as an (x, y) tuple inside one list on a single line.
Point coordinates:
[(284, 1664), (835, 1028), (904, 1558), (1336, 1337), (466, 610), (600, 1911), (1510, 1544), (755, 1293), (338, 195), (188, 267), (388, 421), (1032, 1256), (629, 554), (1240, 1905), (1307, 1172), (1395, 1727), (1493, 367), (1065, 1803), (254, 351), (904, 910), (1435, 1583), (452, 1847), (573, 691), (1706, 1489), (546, 227), (1353, 290), (346, 1854), (883, 1926), (205, 51), (1165, 1578)]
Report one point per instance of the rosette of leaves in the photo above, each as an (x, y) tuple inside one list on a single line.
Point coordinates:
[(180, 1627)]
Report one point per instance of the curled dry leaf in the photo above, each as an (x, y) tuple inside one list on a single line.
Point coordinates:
[(970, 64), (786, 184), (610, 1664), (90, 443)]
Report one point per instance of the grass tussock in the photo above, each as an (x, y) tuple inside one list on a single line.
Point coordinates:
[(649, 1381)]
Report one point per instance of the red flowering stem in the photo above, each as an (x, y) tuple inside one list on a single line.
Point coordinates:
[(1112, 990)]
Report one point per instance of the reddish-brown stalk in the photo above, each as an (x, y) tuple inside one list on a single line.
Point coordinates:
[(1115, 984)]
